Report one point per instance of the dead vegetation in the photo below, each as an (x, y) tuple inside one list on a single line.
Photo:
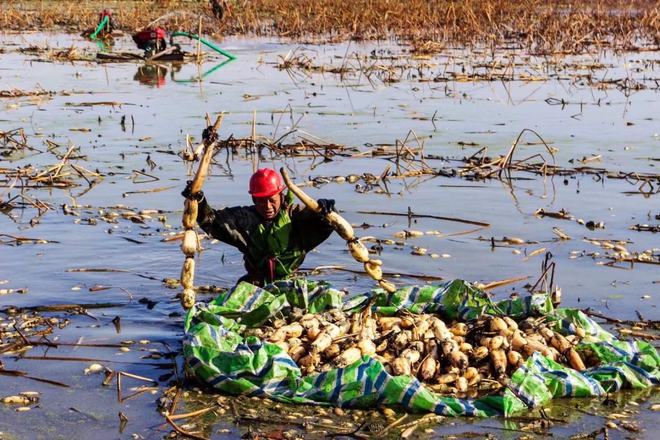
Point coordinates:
[(17, 93), (568, 27), (407, 159), (64, 174), (386, 66), (16, 330)]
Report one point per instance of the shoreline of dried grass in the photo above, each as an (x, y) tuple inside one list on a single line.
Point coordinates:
[(572, 26)]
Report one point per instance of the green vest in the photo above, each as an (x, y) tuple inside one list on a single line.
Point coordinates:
[(272, 252)]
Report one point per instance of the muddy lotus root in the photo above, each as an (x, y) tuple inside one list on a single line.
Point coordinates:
[(189, 243), (189, 218), (187, 298), (358, 251), (374, 269), (188, 273)]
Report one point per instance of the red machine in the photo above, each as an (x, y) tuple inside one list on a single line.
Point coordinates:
[(151, 40)]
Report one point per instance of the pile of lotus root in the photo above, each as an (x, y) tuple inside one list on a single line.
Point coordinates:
[(451, 358)]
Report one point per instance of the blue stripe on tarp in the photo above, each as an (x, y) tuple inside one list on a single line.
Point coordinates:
[(244, 350), (218, 379), (313, 296), (380, 380), (286, 360), (368, 385), (253, 348), (280, 360), (256, 346), (620, 375), (596, 387), (411, 389), (192, 361), (616, 350), (362, 368), (320, 379), (413, 295), (254, 388), (568, 385), (636, 358), (247, 307), (520, 392), (334, 397), (617, 380), (276, 386), (604, 369), (319, 291), (257, 392), (645, 374), (441, 409), (468, 407), (226, 297), (381, 383), (439, 292), (540, 377), (558, 373)]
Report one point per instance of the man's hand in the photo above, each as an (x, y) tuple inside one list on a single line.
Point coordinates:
[(187, 192), (209, 135), (326, 206)]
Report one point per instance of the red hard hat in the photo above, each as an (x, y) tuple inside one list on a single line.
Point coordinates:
[(266, 182)]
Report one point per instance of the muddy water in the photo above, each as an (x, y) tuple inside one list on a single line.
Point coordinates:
[(570, 103)]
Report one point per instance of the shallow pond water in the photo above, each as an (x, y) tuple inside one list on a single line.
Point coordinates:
[(573, 104)]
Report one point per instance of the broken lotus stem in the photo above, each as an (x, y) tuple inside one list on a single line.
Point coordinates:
[(190, 243), (345, 230)]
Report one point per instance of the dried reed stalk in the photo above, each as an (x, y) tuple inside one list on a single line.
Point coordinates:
[(567, 27)]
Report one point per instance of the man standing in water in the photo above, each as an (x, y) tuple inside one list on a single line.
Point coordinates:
[(274, 235)]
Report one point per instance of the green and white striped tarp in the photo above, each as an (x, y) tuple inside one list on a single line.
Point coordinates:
[(218, 356)]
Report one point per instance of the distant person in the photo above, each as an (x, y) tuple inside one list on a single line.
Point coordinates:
[(110, 26), (274, 234), (218, 8)]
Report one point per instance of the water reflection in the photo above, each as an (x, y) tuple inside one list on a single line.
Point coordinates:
[(154, 75), (106, 44), (204, 74)]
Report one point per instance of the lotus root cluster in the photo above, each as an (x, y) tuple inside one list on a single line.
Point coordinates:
[(458, 358), (189, 246)]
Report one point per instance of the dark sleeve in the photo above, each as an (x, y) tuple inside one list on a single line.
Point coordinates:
[(310, 229), (229, 225)]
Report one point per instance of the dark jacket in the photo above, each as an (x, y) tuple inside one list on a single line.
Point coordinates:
[(239, 226)]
